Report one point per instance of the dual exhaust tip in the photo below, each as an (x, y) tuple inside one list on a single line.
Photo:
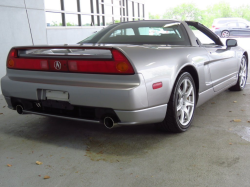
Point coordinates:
[(109, 122), (19, 109)]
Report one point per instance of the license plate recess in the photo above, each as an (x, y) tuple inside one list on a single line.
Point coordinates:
[(57, 95)]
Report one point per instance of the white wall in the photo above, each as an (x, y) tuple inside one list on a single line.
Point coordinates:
[(20, 20), (69, 35), (23, 23)]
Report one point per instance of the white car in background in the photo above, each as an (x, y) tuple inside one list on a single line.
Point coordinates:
[(219, 22)]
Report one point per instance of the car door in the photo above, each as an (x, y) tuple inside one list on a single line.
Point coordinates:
[(222, 63), (244, 29), (233, 28), (222, 66)]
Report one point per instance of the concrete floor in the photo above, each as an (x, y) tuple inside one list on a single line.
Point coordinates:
[(215, 151)]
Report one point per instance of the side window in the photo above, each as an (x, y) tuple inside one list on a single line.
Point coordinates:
[(204, 39), (242, 25), (158, 31), (122, 32), (231, 25)]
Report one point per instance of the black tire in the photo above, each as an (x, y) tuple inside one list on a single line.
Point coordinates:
[(239, 86), (172, 123)]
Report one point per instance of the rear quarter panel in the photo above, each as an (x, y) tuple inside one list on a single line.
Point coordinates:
[(163, 64)]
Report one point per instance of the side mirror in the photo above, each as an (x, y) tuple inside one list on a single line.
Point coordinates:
[(231, 43)]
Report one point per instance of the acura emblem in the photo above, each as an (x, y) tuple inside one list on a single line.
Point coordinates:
[(57, 65)]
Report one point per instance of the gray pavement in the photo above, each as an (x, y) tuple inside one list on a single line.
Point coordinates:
[(215, 151)]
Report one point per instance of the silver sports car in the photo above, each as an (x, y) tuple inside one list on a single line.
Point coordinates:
[(129, 73)]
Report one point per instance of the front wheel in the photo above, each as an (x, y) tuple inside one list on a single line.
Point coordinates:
[(242, 76), (181, 105)]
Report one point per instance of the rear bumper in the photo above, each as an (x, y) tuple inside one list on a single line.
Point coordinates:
[(108, 91), (125, 96), (143, 116)]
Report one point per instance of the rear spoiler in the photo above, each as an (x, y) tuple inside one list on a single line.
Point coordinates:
[(65, 51), (101, 60)]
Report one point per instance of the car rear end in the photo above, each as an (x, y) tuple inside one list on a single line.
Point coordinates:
[(91, 84)]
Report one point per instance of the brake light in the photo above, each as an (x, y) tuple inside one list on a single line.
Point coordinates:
[(118, 65), (213, 26), (217, 28), (10, 60)]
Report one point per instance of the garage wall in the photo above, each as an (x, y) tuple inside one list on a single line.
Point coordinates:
[(68, 35), (22, 23)]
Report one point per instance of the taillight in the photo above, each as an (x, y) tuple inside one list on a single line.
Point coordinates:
[(11, 58), (13, 62), (119, 64), (213, 26), (217, 28)]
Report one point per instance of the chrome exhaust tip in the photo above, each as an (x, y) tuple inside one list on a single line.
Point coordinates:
[(109, 123), (19, 109)]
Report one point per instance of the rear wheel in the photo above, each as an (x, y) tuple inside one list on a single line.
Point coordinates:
[(242, 76), (225, 34), (181, 105)]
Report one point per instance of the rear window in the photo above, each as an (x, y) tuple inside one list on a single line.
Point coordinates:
[(224, 21), (147, 32)]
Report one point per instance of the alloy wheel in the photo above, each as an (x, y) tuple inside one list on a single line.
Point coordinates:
[(243, 73), (185, 102)]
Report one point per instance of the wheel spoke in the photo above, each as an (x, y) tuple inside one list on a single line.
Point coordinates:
[(241, 81), (189, 103), (185, 101), (185, 86), (182, 116), (189, 91), (244, 69), (178, 107), (186, 112), (180, 92)]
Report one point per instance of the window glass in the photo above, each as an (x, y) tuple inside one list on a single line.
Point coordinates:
[(116, 11), (108, 9), (156, 31), (130, 9), (71, 19), (242, 25), (85, 6), (54, 5), (141, 10), (123, 3), (204, 39), (96, 22), (70, 5), (233, 24), (117, 19), (53, 19), (165, 32), (224, 21), (116, 2), (136, 9), (123, 11), (128, 32), (101, 21), (108, 1), (86, 20), (108, 20), (94, 6)]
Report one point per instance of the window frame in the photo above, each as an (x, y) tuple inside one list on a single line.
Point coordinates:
[(97, 10)]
